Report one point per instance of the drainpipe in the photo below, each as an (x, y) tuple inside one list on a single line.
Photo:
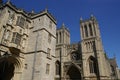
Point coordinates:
[(34, 59)]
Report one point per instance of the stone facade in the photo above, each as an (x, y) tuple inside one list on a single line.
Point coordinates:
[(32, 37), (31, 48), (118, 73)]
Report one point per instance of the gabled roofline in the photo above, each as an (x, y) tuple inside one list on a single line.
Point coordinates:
[(13, 7), (45, 12), (20, 11)]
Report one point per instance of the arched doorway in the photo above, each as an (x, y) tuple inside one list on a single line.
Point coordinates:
[(8, 62), (6, 70), (73, 73)]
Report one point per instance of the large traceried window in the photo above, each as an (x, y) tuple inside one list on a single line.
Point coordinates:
[(20, 21), (92, 65), (91, 31), (86, 31), (16, 38)]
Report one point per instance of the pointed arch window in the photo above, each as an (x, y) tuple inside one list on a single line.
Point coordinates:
[(90, 28), (92, 65), (86, 31)]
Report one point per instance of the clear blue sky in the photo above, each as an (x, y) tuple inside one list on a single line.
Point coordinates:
[(69, 12)]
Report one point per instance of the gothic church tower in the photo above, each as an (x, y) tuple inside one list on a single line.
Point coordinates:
[(62, 43), (93, 57)]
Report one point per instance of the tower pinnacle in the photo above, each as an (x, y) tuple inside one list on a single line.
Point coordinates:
[(8, 1), (92, 17)]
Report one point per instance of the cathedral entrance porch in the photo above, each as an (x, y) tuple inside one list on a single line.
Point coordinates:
[(73, 73)]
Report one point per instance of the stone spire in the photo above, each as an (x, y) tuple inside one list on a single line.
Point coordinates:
[(46, 9), (92, 17), (63, 25), (81, 19), (32, 11)]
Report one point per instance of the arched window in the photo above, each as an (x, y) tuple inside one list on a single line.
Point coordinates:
[(90, 28), (86, 31), (92, 65), (57, 68)]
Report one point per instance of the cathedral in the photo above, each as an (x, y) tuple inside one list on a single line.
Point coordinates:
[(33, 48)]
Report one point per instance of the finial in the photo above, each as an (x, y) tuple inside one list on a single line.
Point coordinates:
[(81, 19), (32, 11), (114, 55), (63, 24), (92, 15), (46, 9)]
